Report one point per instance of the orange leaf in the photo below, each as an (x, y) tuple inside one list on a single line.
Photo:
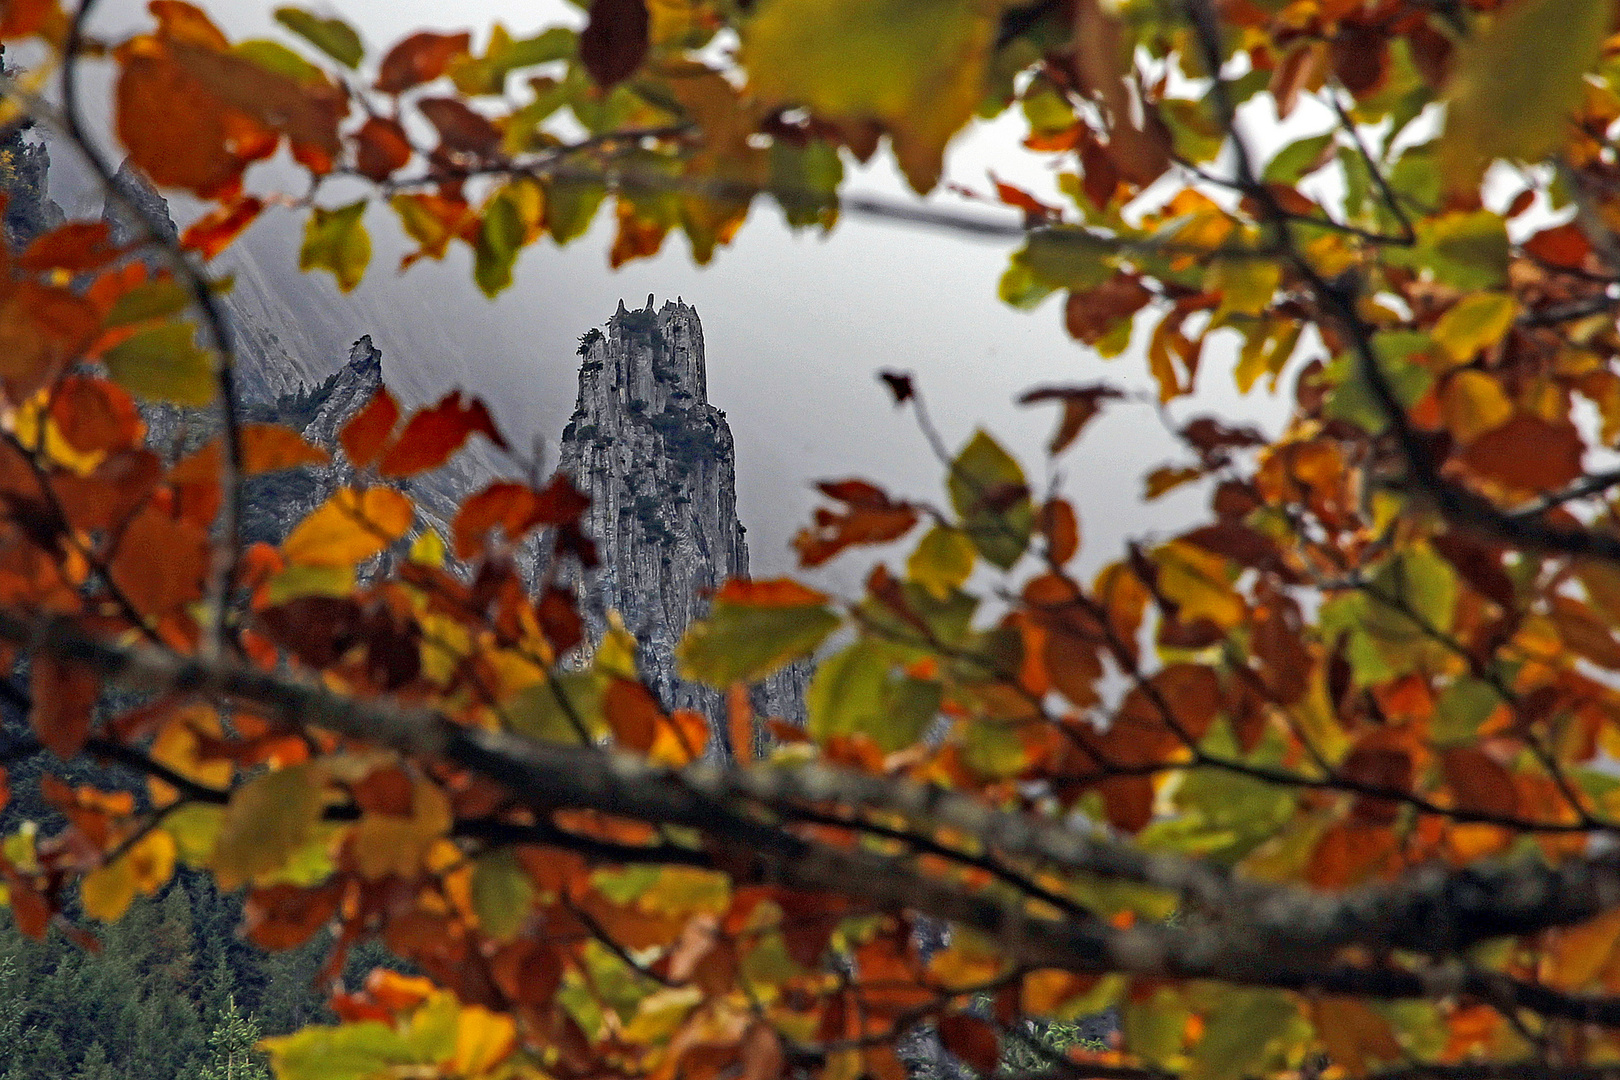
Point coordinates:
[(740, 723), (213, 232), (771, 593), (63, 696), (433, 434), (632, 714), (174, 129), (19, 18), (420, 58), (270, 447), (380, 147), (364, 436), (160, 562), (1478, 782), (1528, 453)]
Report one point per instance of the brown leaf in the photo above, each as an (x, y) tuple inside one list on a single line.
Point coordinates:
[(420, 58), (1478, 783), (1236, 541), (559, 619), (1376, 766), (972, 1040), (899, 384), (286, 916), (614, 42), (380, 147), (1080, 404), (63, 696), (160, 562), (306, 113), (459, 127), (1528, 453), (1061, 527), (1478, 565), (433, 434), (365, 435), (1091, 314)]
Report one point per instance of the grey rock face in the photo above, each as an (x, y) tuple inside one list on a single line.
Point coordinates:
[(658, 463)]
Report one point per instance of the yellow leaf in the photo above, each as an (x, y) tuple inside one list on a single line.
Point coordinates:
[(351, 526), (178, 746), (1197, 581), (915, 66), (142, 870), (942, 561), (1513, 84), (1246, 286), (483, 1040), (1472, 404), (1474, 322), (389, 844), (1580, 952), (269, 818)]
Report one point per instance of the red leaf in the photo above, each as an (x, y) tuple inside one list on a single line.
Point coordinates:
[(420, 58), (75, 247), (213, 233), (459, 127), (559, 503), (1564, 245), (613, 44), (435, 433), (380, 147), (63, 696), (364, 436), (559, 620), (972, 1040), (506, 504), (94, 414)]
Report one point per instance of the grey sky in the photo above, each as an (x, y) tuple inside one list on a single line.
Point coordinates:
[(796, 326)]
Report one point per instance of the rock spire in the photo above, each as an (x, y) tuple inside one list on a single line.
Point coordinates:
[(658, 463)]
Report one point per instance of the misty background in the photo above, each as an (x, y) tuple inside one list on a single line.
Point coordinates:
[(796, 324)]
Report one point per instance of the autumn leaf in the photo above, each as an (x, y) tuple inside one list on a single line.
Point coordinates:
[(753, 628), (350, 527), (433, 434), (419, 58), (337, 241), (332, 36), (614, 41)]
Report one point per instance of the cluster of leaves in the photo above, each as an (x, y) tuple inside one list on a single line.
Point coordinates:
[(1350, 727)]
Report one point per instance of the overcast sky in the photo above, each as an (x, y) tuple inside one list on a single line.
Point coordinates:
[(796, 326)]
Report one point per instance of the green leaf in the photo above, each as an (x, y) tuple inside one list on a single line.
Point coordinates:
[(500, 237), (804, 181), (537, 713), (268, 819), (487, 75), (570, 206), (854, 691), (1353, 399), (1512, 85), (1238, 1031), (1463, 706), (334, 37), (743, 642), (988, 491), (357, 1051), (921, 67), (276, 57), (1467, 250), (337, 240), (1297, 159), (165, 364), (1065, 258), (942, 560), (1246, 286), (152, 300), (1411, 590), (1153, 1027), (502, 894)]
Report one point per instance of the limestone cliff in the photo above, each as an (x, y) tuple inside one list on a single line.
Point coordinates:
[(657, 461)]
